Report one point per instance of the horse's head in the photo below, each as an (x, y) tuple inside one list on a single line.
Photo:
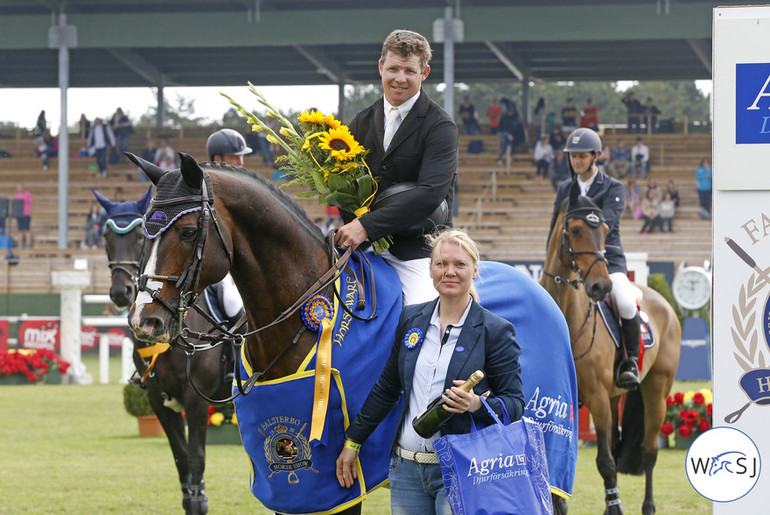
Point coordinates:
[(581, 246), (126, 245), (178, 224)]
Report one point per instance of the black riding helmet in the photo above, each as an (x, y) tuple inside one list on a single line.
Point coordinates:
[(226, 142), (583, 140)]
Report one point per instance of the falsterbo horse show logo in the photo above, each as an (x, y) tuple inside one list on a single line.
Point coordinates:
[(286, 449)]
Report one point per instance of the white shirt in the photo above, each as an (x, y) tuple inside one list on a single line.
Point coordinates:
[(585, 186), (543, 151), (100, 136), (429, 377), (403, 109), (640, 149)]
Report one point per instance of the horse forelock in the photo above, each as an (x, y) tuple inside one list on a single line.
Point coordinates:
[(284, 199)]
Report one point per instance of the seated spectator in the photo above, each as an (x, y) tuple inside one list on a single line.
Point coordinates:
[(673, 192), (651, 212), (164, 156), (148, 154), (633, 201), (468, 117), (640, 158), (94, 225), (667, 211), (557, 139), (569, 116), (494, 112), (603, 159), (559, 169), (620, 163), (589, 116), (47, 147), (543, 154)]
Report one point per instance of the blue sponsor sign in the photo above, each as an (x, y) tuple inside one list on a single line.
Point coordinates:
[(752, 97)]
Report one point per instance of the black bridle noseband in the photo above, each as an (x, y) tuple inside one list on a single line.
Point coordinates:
[(123, 265)]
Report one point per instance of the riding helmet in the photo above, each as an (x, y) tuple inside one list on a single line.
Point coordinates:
[(226, 142), (583, 140)]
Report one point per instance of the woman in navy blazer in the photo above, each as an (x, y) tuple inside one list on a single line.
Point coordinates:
[(437, 346)]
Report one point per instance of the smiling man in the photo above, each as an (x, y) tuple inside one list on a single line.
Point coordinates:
[(411, 140)]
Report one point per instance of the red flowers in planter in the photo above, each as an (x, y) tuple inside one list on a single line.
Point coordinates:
[(31, 363), (688, 413)]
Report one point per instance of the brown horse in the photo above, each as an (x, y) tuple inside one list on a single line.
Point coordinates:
[(169, 390), (576, 276)]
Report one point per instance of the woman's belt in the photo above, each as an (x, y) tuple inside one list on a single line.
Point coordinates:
[(418, 456)]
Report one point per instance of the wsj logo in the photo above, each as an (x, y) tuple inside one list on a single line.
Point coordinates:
[(730, 462), (723, 464), (752, 110)]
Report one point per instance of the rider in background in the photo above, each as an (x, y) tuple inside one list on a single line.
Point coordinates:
[(583, 146), (227, 146), (411, 139)]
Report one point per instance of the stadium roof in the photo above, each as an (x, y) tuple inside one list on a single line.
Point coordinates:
[(304, 42)]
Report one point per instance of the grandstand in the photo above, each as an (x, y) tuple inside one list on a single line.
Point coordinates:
[(503, 207)]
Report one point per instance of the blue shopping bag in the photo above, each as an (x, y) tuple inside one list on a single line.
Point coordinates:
[(497, 470)]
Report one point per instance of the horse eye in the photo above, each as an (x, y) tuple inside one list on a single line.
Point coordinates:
[(575, 231), (188, 233)]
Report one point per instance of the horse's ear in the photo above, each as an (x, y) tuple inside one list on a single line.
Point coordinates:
[(153, 171), (144, 202), (191, 171), (574, 193), (104, 201)]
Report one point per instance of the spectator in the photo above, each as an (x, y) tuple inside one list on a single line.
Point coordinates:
[(122, 129), (98, 140), (667, 211), (84, 126), (49, 147), (543, 154), (603, 159), (633, 201), (148, 154), (539, 114), (506, 129), (634, 112), (651, 113), (589, 117), (494, 112), (651, 212), (703, 177), (94, 226), (621, 161), (557, 139), (673, 192), (569, 115), (560, 169), (41, 125), (332, 216), (468, 116), (23, 221), (640, 158), (164, 156)]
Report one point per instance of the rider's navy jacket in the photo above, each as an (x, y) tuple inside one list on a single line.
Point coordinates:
[(610, 195), (488, 343)]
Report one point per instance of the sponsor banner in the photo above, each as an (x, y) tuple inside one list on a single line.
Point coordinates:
[(726, 465), (4, 335), (44, 334)]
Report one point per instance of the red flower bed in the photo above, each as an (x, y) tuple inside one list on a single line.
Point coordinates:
[(31, 363)]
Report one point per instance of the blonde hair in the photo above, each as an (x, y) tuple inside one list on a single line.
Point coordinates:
[(465, 242), (407, 43)]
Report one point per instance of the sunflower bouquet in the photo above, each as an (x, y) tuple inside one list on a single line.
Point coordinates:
[(322, 156)]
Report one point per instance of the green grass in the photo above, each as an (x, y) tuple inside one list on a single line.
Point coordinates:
[(73, 449)]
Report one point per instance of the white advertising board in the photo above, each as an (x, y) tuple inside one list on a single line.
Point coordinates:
[(741, 249)]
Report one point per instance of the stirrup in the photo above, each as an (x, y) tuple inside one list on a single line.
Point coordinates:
[(628, 375)]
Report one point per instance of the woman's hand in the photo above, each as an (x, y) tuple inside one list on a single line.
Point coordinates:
[(460, 401), (346, 467)]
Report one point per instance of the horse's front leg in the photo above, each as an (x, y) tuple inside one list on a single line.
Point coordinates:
[(605, 463), (197, 419)]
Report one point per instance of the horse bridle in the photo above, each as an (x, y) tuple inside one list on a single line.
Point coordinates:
[(186, 282)]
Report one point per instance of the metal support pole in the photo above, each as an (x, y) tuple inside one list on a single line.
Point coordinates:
[(64, 143), (160, 115), (449, 62), (341, 101)]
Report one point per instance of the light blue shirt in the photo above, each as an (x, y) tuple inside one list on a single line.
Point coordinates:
[(403, 109), (429, 377)]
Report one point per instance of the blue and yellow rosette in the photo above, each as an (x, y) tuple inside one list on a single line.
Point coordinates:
[(316, 309), (413, 338)]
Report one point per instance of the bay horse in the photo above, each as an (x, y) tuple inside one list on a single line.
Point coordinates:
[(169, 388), (576, 275)]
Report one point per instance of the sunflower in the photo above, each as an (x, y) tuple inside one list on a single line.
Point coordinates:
[(312, 117), (341, 143), (331, 121)]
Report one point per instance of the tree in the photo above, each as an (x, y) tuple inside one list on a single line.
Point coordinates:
[(181, 114)]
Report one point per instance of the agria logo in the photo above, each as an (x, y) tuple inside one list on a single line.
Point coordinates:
[(723, 464)]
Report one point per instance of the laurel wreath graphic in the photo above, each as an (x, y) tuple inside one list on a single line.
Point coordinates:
[(749, 355)]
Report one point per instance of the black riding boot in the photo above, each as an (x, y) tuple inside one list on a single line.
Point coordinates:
[(628, 370)]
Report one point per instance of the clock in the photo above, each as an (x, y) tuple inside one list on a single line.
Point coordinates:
[(692, 287)]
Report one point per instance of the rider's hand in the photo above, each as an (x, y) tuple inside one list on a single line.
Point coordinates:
[(351, 235)]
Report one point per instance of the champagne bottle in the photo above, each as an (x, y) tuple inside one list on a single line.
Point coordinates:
[(434, 416)]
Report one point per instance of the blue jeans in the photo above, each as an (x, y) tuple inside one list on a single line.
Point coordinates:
[(416, 488), (506, 140)]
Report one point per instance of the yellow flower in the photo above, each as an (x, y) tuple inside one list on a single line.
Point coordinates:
[(312, 117), (256, 128), (689, 395), (217, 419), (332, 122), (341, 143), (272, 139), (285, 132), (234, 420)]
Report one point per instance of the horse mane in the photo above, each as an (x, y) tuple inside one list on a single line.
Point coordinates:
[(561, 207), (281, 195)]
